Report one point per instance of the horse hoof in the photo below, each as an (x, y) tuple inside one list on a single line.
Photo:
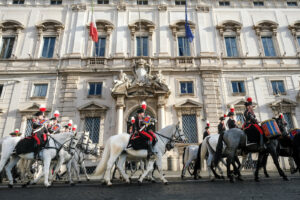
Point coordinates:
[(182, 177), (72, 184), (10, 186), (286, 178), (240, 178), (33, 183), (223, 177), (153, 181), (139, 182), (87, 179), (256, 179), (231, 180), (109, 184), (24, 186), (67, 182), (166, 183), (267, 176), (79, 182)]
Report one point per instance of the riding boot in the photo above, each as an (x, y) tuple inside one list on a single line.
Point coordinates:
[(150, 149), (261, 143)]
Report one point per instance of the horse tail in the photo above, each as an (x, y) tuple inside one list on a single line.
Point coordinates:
[(183, 156), (197, 161), (203, 151), (103, 163)]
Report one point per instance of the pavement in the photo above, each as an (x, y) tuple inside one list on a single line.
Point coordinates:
[(268, 188)]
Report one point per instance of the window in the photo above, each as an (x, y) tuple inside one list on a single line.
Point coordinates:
[(189, 128), (292, 3), (100, 47), (92, 125), (103, 2), (40, 90), (48, 49), (278, 87), (7, 47), (186, 87), (238, 87), (18, 1), (240, 119), (224, 3), (298, 39), (142, 2), (1, 89), (28, 129), (56, 2), (142, 46), (178, 2), (231, 46), (268, 46), (258, 3), (288, 119), (95, 89), (183, 47)]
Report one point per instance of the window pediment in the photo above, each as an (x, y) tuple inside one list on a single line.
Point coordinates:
[(230, 26), (11, 25), (50, 26), (142, 26), (295, 28), (180, 27), (35, 107), (103, 26), (266, 26), (284, 103), (92, 106), (188, 104)]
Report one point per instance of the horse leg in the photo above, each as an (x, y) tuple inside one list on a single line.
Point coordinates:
[(149, 168), (38, 175), (13, 161), (185, 166), (275, 160), (47, 161), (260, 156), (110, 163), (82, 165), (229, 175), (237, 171), (264, 164), (121, 166), (160, 171)]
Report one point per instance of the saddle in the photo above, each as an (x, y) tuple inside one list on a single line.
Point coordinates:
[(29, 145), (138, 142)]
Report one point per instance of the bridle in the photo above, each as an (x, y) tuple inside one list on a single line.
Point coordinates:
[(173, 139), (58, 146)]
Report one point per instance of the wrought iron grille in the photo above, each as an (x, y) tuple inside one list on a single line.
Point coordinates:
[(28, 129), (92, 124), (189, 127), (288, 119)]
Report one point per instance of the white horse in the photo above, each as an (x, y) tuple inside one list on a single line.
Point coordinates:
[(64, 155), (85, 148), (116, 147), (189, 155), (209, 145), (55, 144)]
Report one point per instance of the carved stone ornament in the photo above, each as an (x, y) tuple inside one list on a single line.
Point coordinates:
[(142, 83)]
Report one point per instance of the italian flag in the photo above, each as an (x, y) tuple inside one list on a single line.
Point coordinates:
[(93, 29)]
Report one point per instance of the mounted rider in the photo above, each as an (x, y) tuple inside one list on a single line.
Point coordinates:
[(39, 132), (231, 122), (221, 130), (206, 132), (251, 127), (140, 127), (54, 126)]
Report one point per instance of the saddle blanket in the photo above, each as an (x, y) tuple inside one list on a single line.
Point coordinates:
[(25, 145)]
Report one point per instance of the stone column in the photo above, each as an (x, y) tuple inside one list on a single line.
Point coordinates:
[(163, 30), (120, 108), (161, 112), (211, 97), (294, 120)]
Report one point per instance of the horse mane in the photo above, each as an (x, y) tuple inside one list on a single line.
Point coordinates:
[(62, 135), (166, 129)]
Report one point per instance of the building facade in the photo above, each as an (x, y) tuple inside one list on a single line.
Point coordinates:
[(240, 48)]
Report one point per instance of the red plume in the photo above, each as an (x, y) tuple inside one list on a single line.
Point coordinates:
[(232, 110), (207, 123), (144, 105), (225, 115), (132, 120), (249, 99)]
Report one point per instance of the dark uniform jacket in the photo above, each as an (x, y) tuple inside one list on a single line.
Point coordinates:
[(205, 134), (221, 128), (231, 123), (250, 118), (138, 124)]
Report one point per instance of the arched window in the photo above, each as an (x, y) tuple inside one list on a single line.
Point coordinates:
[(295, 30), (266, 32), (230, 36), (48, 39), (141, 38), (101, 48), (182, 47), (9, 35)]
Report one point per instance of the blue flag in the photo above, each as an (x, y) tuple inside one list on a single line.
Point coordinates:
[(188, 32)]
